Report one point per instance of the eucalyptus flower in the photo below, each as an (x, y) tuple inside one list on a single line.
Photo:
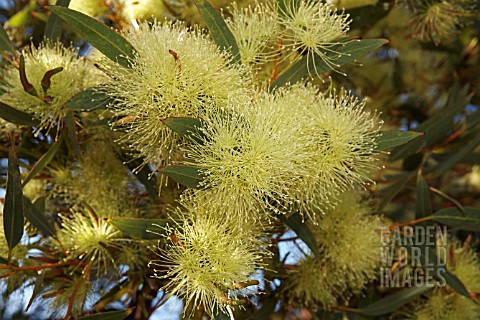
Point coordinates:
[(443, 303), (341, 148), (441, 20), (177, 72), (313, 28), (68, 74), (93, 8), (90, 239), (255, 29), (250, 159), (146, 10), (348, 241), (209, 261)]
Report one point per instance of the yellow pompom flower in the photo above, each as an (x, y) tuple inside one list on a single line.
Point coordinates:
[(313, 27), (178, 72), (209, 261), (93, 8), (91, 240), (255, 29), (46, 105), (146, 10), (250, 159), (444, 303), (348, 240), (342, 146), (440, 21)]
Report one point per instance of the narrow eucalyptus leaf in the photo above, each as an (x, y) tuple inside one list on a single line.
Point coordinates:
[(44, 160), (469, 219), (219, 30), (295, 223), (389, 139), (345, 52), (16, 116), (393, 302), (89, 100), (137, 228), (188, 176), (107, 41), (53, 29), (13, 208), (111, 315)]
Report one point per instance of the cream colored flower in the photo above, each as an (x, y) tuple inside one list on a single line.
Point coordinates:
[(209, 260), (443, 304), (47, 106), (256, 30), (313, 27), (178, 72), (348, 240)]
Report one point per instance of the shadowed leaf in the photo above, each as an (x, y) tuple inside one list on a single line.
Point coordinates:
[(13, 209), (188, 176)]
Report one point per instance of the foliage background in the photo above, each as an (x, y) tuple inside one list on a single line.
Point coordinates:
[(424, 79)]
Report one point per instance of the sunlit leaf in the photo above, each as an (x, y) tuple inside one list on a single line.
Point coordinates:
[(219, 30), (107, 41)]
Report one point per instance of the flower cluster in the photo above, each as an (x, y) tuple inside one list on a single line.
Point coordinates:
[(53, 74), (348, 241), (209, 261), (178, 72)]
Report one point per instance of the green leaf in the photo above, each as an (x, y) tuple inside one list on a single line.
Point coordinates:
[(393, 301), (436, 128), (345, 52), (390, 139), (107, 41), (455, 283), (391, 191), (15, 116), (469, 219), (137, 228), (190, 177), (219, 30), (186, 127), (72, 132), (53, 29), (423, 205), (88, 100), (44, 160), (296, 223), (456, 156), (37, 218), (6, 44), (19, 19), (13, 209), (111, 315)]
